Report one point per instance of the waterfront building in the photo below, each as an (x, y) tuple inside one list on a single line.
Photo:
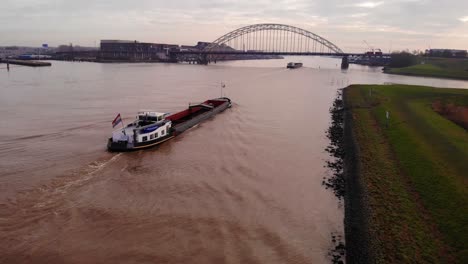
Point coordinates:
[(446, 53), (127, 50)]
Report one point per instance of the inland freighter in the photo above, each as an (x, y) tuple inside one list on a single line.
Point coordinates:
[(152, 128), (294, 65)]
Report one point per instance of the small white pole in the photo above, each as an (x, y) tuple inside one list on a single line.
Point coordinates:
[(222, 87), (123, 126), (387, 115)]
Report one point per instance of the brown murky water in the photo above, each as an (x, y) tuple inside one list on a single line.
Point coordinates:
[(243, 187)]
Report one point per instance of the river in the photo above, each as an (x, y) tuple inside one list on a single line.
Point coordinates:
[(242, 187)]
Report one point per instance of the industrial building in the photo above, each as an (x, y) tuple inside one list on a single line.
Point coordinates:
[(448, 53), (127, 50)]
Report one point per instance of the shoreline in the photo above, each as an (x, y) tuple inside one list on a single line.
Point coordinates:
[(356, 208), (346, 183), (442, 68), (427, 76)]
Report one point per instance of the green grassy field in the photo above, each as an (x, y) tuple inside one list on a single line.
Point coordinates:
[(414, 171), (436, 67)]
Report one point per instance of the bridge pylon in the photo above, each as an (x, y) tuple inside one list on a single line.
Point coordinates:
[(203, 59), (344, 62)]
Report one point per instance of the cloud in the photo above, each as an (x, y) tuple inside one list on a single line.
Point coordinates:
[(358, 15), (345, 22), (369, 4)]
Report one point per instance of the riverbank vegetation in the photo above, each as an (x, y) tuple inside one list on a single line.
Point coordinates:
[(412, 171), (454, 68), (403, 59)]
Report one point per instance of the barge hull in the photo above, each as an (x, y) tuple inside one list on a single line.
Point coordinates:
[(124, 145), (30, 63), (179, 128)]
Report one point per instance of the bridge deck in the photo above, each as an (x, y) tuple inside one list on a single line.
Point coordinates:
[(203, 52)]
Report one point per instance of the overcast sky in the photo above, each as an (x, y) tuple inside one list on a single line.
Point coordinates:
[(386, 24)]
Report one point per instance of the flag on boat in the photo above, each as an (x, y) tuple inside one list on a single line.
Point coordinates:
[(116, 121)]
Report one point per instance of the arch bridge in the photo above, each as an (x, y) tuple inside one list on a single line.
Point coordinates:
[(273, 38), (262, 41)]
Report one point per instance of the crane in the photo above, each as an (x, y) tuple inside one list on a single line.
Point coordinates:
[(371, 48), (371, 52)]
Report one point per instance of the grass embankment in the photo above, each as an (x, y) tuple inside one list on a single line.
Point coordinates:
[(436, 67), (413, 173)]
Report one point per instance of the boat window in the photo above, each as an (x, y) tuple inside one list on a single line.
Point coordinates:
[(156, 135), (145, 138), (163, 132), (151, 136)]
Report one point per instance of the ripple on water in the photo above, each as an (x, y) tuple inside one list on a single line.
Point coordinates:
[(243, 187)]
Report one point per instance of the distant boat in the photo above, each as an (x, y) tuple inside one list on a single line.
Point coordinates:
[(294, 65)]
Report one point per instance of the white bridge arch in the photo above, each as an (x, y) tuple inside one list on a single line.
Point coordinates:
[(273, 37)]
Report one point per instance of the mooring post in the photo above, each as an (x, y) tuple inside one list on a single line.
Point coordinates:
[(8, 66)]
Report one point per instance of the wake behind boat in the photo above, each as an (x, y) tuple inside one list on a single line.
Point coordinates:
[(152, 128)]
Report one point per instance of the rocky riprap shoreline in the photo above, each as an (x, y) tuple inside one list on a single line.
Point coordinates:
[(336, 182), (335, 134)]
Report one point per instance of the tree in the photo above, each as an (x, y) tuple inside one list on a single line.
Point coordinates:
[(402, 59)]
